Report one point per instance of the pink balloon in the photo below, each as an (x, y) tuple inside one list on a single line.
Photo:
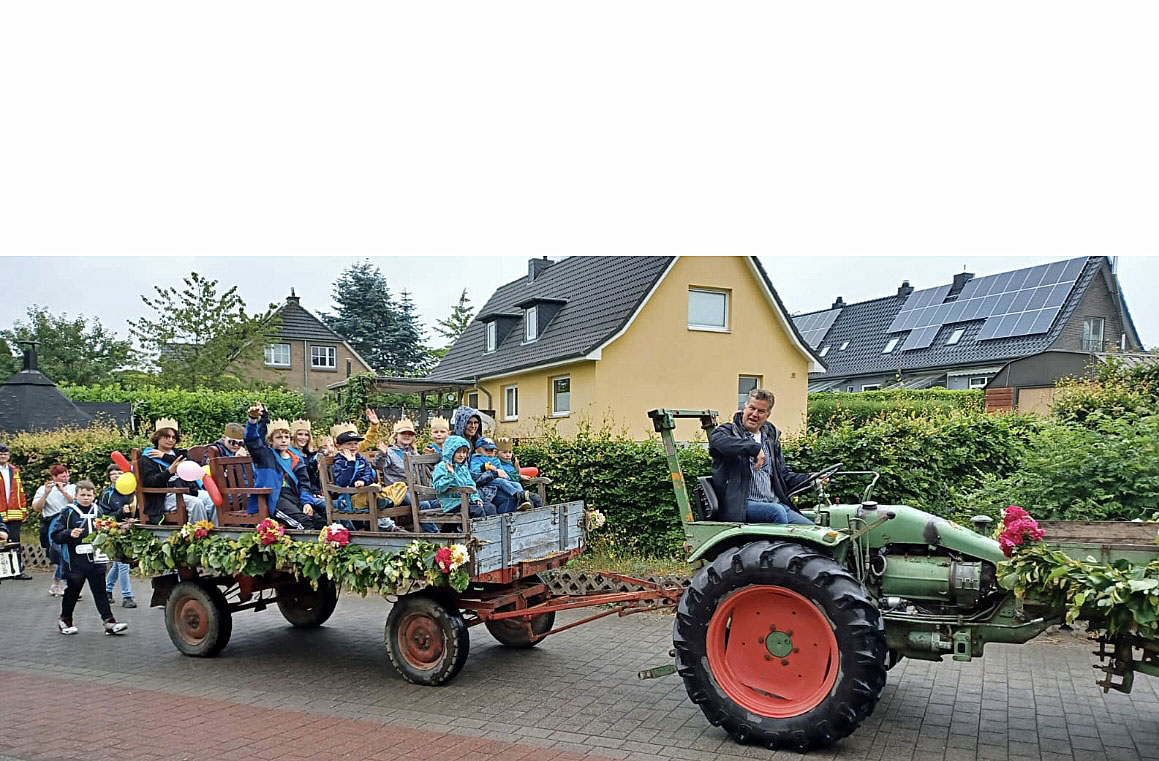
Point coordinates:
[(190, 471)]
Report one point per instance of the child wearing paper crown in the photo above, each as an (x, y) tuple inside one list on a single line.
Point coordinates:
[(509, 464), (492, 482), (276, 466), (440, 430)]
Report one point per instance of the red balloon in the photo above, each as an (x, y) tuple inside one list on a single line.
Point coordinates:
[(529, 472), (120, 461), (214, 493)]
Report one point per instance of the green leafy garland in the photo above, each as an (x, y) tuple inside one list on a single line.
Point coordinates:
[(1122, 597), (356, 568)]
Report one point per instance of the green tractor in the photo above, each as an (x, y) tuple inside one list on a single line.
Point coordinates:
[(785, 634)]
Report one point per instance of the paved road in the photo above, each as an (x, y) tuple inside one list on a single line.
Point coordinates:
[(285, 694)]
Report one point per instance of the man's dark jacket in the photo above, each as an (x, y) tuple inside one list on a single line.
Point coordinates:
[(733, 449)]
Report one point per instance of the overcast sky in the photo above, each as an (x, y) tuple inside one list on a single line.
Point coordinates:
[(520, 128), (109, 288)]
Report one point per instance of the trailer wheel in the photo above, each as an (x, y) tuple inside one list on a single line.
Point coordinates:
[(780, 645), (197, 618), (512, 632), (307, 608), (426, 639)]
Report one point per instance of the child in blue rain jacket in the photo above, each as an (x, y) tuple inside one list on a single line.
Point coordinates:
[(452, 472)]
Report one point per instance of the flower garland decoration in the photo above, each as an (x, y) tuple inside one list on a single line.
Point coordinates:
[(1121, 597), (268, 548)]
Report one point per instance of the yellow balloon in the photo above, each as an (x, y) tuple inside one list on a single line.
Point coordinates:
[(126, 484), (206, 466)]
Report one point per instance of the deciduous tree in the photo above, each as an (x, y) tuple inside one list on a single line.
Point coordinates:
[(71, 350), (200, 338)]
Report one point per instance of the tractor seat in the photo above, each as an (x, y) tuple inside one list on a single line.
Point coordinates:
[(704, 503)]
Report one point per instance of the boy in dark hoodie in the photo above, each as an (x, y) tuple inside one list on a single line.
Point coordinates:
[(80, 560), (276, 466), (493, 482)]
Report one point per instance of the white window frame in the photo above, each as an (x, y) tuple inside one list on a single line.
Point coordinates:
[(268, 355), (1090, 343), (331, 353), (973, 385), (742, 396), (511, 394), (871, 386), (555, 410), (889, 347), (709, 328), (824, 350), (489, 333), (473, 399), (955, 337), (530, 324)]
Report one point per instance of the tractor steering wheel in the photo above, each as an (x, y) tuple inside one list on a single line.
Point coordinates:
[(827, 472)]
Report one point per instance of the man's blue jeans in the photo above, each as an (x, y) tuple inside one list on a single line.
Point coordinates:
[(773, 512)]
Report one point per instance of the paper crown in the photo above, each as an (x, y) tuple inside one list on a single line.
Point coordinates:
[(281, 424), (503, 444), (165, 422), (403, 424), (341, 428), (439, 420), (300, 425)]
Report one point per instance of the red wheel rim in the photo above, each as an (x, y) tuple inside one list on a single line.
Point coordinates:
[(421, 641), (192, 620), (772, 651)]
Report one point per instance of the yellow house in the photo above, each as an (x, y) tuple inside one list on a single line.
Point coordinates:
[(602, 340)]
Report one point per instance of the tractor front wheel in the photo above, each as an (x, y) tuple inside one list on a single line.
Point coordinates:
[(780, 645)]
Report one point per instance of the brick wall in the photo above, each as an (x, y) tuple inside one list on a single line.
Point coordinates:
[(1098, 301)]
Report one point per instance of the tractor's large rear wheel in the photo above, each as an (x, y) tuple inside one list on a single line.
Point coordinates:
[(780, 645)]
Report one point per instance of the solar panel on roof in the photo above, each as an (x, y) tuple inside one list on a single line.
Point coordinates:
[(910, 316), (813, 327)]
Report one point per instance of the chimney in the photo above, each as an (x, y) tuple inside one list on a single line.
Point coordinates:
[(292, 298), (536, 267), (840, 302), (30, 355), (960, 281), (905, 290)]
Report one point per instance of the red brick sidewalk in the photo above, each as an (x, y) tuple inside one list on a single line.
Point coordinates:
[(43, 719)]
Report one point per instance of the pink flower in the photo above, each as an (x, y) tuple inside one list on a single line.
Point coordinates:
[(200, 533), (1019, 526), (443, 559), (1013, 513), (270, 531)]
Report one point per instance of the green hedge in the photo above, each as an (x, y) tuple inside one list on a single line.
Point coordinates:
[(828, 409), (201, 414), (926, 462)]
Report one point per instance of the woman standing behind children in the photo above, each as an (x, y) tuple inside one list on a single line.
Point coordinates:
[(81, 561)]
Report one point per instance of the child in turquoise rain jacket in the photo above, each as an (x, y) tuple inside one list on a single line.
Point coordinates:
[(453, 472)]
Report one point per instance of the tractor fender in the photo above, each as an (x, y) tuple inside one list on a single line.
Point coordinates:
[(715, 537)]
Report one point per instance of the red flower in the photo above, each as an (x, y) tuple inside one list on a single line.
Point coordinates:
[(1019, 526), (1014, 513), (443, 559), (270, 531), (200, 533)]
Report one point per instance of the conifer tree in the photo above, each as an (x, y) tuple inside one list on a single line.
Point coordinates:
[(410, 356)]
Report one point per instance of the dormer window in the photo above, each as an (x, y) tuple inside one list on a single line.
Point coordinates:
[(530, 324), (490, 339)]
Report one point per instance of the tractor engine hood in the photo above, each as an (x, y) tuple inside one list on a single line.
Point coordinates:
[(913, 526)]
